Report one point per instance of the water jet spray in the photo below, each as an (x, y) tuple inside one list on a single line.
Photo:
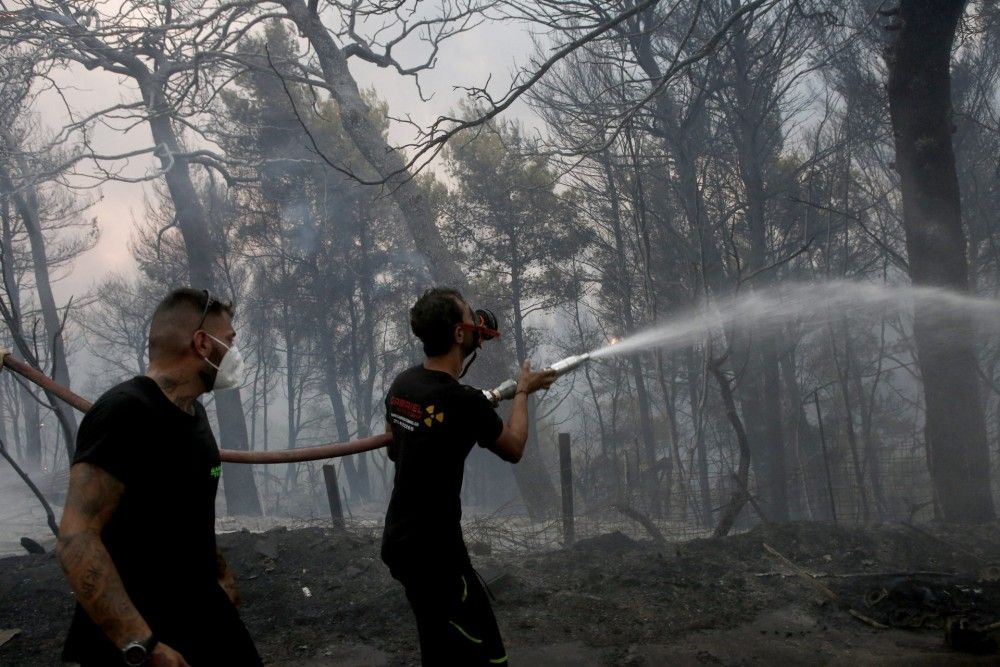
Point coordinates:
[(767, 311)]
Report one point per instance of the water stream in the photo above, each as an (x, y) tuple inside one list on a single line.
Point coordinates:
[(768, 310)]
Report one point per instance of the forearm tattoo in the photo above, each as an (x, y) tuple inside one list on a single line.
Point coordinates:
[(93, 495)]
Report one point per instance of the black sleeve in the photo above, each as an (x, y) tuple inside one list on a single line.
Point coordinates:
[(393, 448), (107, 437), (482, 418)]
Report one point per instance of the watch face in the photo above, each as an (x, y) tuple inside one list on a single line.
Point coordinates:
[(135, 655)]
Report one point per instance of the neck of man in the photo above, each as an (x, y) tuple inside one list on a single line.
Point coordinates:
[(182, 389), (450, 363)]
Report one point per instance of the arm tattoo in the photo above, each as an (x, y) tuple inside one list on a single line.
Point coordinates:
[(91, 579), (91, 501)]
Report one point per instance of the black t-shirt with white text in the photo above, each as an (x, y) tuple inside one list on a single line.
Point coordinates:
[(435, 421), (161, 536)]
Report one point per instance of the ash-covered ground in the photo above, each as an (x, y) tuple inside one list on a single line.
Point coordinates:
[(317, 597)]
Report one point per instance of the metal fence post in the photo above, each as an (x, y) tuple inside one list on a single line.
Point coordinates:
[(333, 495)]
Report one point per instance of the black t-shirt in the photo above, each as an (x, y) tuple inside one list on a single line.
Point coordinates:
[(162, 534), (435, 421)]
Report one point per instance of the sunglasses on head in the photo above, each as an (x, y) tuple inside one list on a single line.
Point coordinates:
[(204, 313)]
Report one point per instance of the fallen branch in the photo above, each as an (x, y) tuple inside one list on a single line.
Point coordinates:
[(803, 574), (642, 520), (854, 575), (821, 588), (49, 514), (867, 619)]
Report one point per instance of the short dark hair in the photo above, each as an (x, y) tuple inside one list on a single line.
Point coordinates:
[(434, 316), (178, 315)]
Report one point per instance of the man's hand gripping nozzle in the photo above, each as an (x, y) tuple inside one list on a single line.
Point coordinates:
[(506, 390)]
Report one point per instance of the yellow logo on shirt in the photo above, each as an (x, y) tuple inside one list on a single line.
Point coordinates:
[(432, 416)]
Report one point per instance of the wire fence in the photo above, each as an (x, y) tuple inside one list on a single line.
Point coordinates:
[(890, 485)]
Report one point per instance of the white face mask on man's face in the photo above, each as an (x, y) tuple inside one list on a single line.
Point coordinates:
[(229, 372)]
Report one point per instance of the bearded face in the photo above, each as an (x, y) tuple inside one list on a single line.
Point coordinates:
[(470, 343)]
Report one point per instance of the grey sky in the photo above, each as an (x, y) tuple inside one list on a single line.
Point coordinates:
[(467, 59)]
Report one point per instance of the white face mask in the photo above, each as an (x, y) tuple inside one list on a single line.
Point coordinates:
[(229, 372)]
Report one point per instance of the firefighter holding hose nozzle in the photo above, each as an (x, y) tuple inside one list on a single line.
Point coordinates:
[(435, 421)]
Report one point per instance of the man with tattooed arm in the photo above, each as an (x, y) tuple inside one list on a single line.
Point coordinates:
[(137, 538)]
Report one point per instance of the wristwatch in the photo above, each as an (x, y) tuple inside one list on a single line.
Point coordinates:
[(137, 653)]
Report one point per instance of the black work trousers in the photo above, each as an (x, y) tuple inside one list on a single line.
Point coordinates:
[(454, 618), (208, 633)]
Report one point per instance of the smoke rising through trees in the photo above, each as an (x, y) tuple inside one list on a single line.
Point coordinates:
[(750, 197)]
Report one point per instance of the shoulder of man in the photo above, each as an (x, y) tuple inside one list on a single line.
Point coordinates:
[(125, 397), (400, 378), (113, 422), (415, 371)]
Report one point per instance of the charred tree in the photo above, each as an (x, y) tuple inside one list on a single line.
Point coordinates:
[(753, 125), (533, 481), (25, 204), (621, 287), (140, 50), (919, 89), (741, 494), (240, 488)]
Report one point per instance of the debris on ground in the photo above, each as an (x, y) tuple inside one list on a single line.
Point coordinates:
[(316, 597)]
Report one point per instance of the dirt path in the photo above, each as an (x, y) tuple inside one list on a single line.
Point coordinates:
[(317, 598)]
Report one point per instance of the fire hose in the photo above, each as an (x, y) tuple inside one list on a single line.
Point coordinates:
[(330, 451), (29, 372), (333, 450)]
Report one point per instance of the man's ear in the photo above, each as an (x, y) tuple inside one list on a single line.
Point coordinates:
[(201, 343), (459, 334)]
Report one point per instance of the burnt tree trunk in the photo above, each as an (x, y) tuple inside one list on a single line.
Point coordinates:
[(363, 385), (26, 206), (697, 374), (843, 375), (32, 451), (805, 447), (919, 89), (533, 481), (741, 494), (624, 292), (239, 487), (756, 147), (357, 479)]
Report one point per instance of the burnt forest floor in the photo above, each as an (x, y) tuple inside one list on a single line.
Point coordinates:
[(314, 597)]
